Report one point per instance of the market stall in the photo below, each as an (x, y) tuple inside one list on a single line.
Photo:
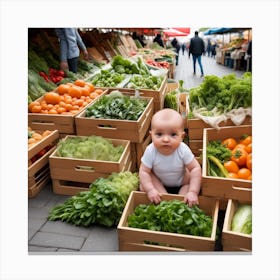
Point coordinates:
[(88, 131)]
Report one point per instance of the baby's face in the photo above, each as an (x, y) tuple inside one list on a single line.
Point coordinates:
[(166, 136)]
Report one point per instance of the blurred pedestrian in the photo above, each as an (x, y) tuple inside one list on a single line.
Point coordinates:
[(209, 47), (213, 49), (175, 44), (183, 47), (158, 40), (70, 43), (197, 48)]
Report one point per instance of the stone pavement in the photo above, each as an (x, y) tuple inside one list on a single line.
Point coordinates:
[(184, 70), (55, 237)]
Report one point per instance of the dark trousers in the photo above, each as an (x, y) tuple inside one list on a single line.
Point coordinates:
[(73, 64)]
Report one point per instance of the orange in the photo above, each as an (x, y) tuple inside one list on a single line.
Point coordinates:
[(52, 97), (98, 91), (80, 83), (52, 111), (85, 91), (93, 95), (244, 173), (36, 109), (63, 88), (231, 166), (75, 91), (90, 86), (33, 104), (248, 148), (61, 110), (230, 143), (233, 175)]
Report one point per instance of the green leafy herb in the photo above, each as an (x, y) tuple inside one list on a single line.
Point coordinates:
[(102, 204), (172, 216)]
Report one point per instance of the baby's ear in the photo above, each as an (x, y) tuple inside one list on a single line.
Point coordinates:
[(183, 134)]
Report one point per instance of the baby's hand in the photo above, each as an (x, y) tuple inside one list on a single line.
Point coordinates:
[(191, 199), (154, 196)]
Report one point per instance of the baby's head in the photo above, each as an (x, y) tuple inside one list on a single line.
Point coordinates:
[(167, 130)]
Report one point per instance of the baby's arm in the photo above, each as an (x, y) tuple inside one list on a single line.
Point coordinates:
[(146, 184), (191, 196)]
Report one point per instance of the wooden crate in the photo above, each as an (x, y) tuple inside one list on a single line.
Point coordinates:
[(134, 131), (66, 187), (171, 86), (86, 170), (138, 149), (196, 147), (39, 174), (40, 145), (157, 95), (65, 124), (134, 239), (224, 187), (196, 126), (234, 241)]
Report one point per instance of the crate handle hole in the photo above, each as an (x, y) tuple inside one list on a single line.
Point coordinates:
[(84, 168)]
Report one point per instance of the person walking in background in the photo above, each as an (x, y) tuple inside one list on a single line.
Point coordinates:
[(208, 49), (70, 43), (175, 44), (197, 48), (158, 40), (183, 48), (213, 49)]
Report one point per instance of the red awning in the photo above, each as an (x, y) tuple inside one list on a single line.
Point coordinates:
[(174, 32)]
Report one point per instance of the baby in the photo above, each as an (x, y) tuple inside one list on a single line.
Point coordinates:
[(168, 165)]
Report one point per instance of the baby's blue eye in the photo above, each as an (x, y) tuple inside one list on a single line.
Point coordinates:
[(158, 134)]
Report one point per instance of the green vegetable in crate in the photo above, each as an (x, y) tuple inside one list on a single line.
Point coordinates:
[(172, 216), (221, 95), (102, 204), (117, 106), (107, 78), (171, 100), (217, 154), (91, 147), (145, 82), (123, 65), (242, 219)]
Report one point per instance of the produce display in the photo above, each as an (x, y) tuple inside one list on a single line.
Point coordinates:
[(66, 99), (107, 78), (157, 64), (35, 137), (216, 96), (102, 204), (125, 66), (242, 219), (172, 216), (117, 106), (91, 147), (145, 82), (171, 100), (230, 158)]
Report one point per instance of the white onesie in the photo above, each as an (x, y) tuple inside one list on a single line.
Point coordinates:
[(169, 169)]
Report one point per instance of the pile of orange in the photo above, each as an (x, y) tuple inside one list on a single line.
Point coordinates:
[(240, 164), (67, 99)]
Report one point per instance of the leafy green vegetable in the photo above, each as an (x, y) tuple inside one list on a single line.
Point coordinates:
[(242, 219), (108, 78), (123, 65), (102, 204), (117, 106), (221, 95), (171, 100), (145, 82), (171, 216), (217, 154), (91, 147)]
